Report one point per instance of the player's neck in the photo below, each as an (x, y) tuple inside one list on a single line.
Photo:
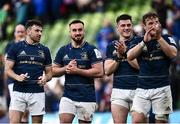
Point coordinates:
[(77, 44), (30, 41), (121, 38)]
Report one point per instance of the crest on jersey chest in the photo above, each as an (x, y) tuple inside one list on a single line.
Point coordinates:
[(158, 46), (84, 56), (41, 53)]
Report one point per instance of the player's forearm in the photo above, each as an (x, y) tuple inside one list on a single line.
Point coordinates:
[(169, 50), (93, 72), (58, 71), (48, 76), (135, 51), (10, 73), (110, 66), (134, 64)]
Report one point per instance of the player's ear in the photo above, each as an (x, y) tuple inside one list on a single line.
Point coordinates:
[(144, 26), (117, 30), (28, 31)]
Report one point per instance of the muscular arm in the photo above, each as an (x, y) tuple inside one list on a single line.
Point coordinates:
[(169, 50), (134, 64), (110, 66), (134, 52), (9, 69), (95, 71), (58, 70), (48, 73)]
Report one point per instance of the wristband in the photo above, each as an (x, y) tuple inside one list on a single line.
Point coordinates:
[(117, 59), (125, 54), (142, 44)]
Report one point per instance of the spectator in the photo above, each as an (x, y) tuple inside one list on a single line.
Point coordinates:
[(105, 36), (3, 20)]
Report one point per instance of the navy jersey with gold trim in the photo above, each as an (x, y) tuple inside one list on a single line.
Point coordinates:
[(154, 64), (125, 76), (31, 59), (77, 87)]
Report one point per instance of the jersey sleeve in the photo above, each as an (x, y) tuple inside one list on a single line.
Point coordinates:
[(134, 42), (59, 56), (170, 40), (12, 52), (48, 60), (95, 55), (110, 52)]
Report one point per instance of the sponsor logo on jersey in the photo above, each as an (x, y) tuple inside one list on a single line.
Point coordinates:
[(97, 53), (23, 53), (41, 53)]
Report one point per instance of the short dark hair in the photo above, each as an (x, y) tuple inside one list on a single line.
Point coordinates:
[(123, 17), (149, 15), (76, 21), (32, 22)]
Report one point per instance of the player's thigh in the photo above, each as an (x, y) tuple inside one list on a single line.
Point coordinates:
[(67, 106), (119, 113), (141, 102), (162, 101), (15, 116), (122, 97), (67, 110), (18, 101), (36, 103), (85, 110)]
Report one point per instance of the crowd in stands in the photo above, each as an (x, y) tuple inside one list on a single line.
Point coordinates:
[(48, 11)]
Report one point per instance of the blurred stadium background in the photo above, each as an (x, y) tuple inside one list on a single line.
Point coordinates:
[(56, 14)]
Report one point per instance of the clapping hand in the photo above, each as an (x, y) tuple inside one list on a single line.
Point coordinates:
[(157, 33), (121, 48), (71, 68), (148, 36)]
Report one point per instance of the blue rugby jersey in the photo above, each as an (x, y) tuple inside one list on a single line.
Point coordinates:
[(77, 87), (31, 59), (125, 76), (154, 64), (8, 47)]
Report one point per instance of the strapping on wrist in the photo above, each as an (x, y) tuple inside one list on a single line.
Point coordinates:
[(142, 44)]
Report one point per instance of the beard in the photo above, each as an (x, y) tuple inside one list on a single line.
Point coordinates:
[(36, 40), (78, 39)]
